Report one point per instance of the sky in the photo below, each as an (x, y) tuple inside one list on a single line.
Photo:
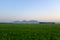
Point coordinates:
[(41, 10)]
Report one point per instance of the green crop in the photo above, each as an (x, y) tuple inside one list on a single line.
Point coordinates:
[(29, 31)]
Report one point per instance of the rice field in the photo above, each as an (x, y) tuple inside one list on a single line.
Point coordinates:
[(29, 31)]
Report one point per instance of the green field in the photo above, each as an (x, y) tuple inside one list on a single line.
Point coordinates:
[(29, 31)]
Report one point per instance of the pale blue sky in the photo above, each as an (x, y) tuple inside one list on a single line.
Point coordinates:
[(42, 10)]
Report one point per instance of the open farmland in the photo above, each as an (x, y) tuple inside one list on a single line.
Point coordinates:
[(29, 31)]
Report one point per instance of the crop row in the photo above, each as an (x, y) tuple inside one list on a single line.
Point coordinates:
[(26, 35)]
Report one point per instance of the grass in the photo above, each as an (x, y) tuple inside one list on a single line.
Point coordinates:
[(29, 31)]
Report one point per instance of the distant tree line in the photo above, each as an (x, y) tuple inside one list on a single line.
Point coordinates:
[(6, 23), (46, 22)]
